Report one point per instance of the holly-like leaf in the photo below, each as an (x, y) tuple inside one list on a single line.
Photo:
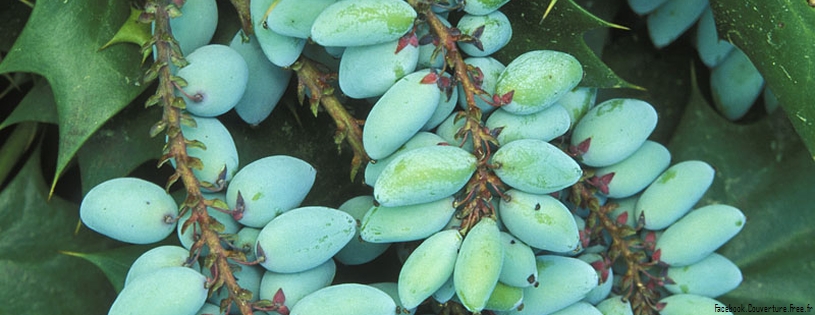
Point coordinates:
[(15, 147), (36, 278), (126, 134), (12, 20), (779, 38), (764, 170), (133, 32), (114, 262), (61, 42), (562, 29), (38, 105), (664, 73)]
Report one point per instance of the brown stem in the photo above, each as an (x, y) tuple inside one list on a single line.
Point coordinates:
[(242, 7), (639, 294), (477, 191), (177, 149), (621, 245), (348, 128)]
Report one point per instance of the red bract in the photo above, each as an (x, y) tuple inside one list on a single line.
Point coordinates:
[(279, 297), (601, 266), (445, 82), (659, 306), (507, 97), (408, 39), (656, 255), (601, 182), (501, 100), (277, 303), (650, 239), (431, 77), (240, 206), (622, 218), (585, 237), (477, 76), (581, 148)]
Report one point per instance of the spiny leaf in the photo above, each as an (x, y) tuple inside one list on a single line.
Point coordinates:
[(38, 105), (132, 31), (114, 262), (561, 29), (32, 231), (13, 15), (60, 42), (779, 38), (763, 170), (15, 147), (126, 137)]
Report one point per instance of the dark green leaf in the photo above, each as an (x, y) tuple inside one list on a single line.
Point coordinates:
[(61, 42), (228, 22), (38, 105), (562, 30), (36, 278), (15, 146), (114, 262), (764, 170), (779, 37), (119, 146), (13, 15), (133, 32), (312, 142), (664, 73)]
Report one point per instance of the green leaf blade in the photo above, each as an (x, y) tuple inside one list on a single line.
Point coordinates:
[(126, 134), (32, 231), (38, 105), (61, 42), (779, 38), (763, 170), (561, 30), (115, 263)]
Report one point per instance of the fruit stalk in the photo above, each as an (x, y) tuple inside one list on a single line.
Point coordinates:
[(176, 148), (348, 127), (479, 190), (640, 293), (242, 8)]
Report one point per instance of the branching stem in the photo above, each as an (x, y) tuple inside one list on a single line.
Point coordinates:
[(349, 128), (478, 194), (176, 148), (625, 245)]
